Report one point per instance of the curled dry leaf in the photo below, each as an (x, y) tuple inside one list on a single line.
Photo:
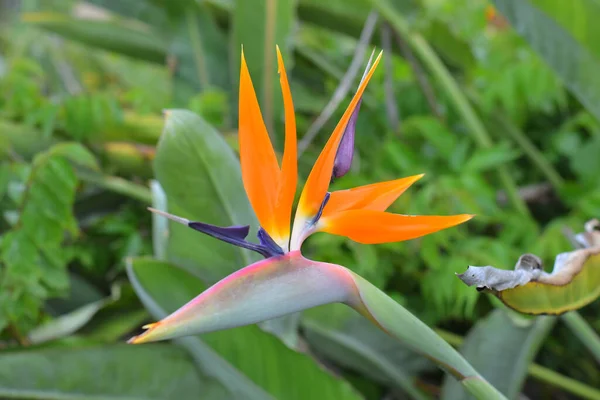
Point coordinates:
[(573, 283)]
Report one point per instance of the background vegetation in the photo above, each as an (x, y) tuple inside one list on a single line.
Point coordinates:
[(503, 121)]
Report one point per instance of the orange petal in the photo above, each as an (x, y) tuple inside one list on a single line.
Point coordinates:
[(377, 196), (260, 170), (369, 226), (289, 167), (318, 181)]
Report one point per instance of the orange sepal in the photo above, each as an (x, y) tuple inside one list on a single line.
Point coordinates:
[(376, 196), (318, 180), (289, 166), (260, 170), (370, 227)]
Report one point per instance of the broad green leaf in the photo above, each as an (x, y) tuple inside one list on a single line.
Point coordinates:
[(33, 259), (567, 44), (21, 139), (120, 372), (201, 177), (112, 35), (501, 347), (348, 339), (258, 26), (279, 371)]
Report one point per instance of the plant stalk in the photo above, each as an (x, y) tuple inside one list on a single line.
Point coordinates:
[(386, 314)]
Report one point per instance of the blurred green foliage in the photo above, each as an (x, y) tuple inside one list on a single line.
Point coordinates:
[(82, 88)]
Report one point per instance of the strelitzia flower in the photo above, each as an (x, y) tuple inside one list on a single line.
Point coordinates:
[(286, 282)]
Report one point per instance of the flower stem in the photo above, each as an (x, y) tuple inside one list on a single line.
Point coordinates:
[(399, 323)]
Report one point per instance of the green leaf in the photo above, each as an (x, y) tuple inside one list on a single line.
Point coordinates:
[(339, 15), (585, 163), (108, 314), (22, 139), (485, 159), (567, 44), (76, 154), (66, 324), (259, 26), (455, 50), (33, 259), (119, 372), (201, 177), (112, 35), (279, 371), (353, 342), (501, 347)]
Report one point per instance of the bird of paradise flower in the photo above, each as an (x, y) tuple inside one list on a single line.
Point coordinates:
[(285, 281)]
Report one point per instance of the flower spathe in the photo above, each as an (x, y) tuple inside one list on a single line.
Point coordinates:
[(285, 281)]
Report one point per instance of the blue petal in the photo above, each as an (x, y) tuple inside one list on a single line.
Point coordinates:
[(268, 243), (320, 212), (233, 234)]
